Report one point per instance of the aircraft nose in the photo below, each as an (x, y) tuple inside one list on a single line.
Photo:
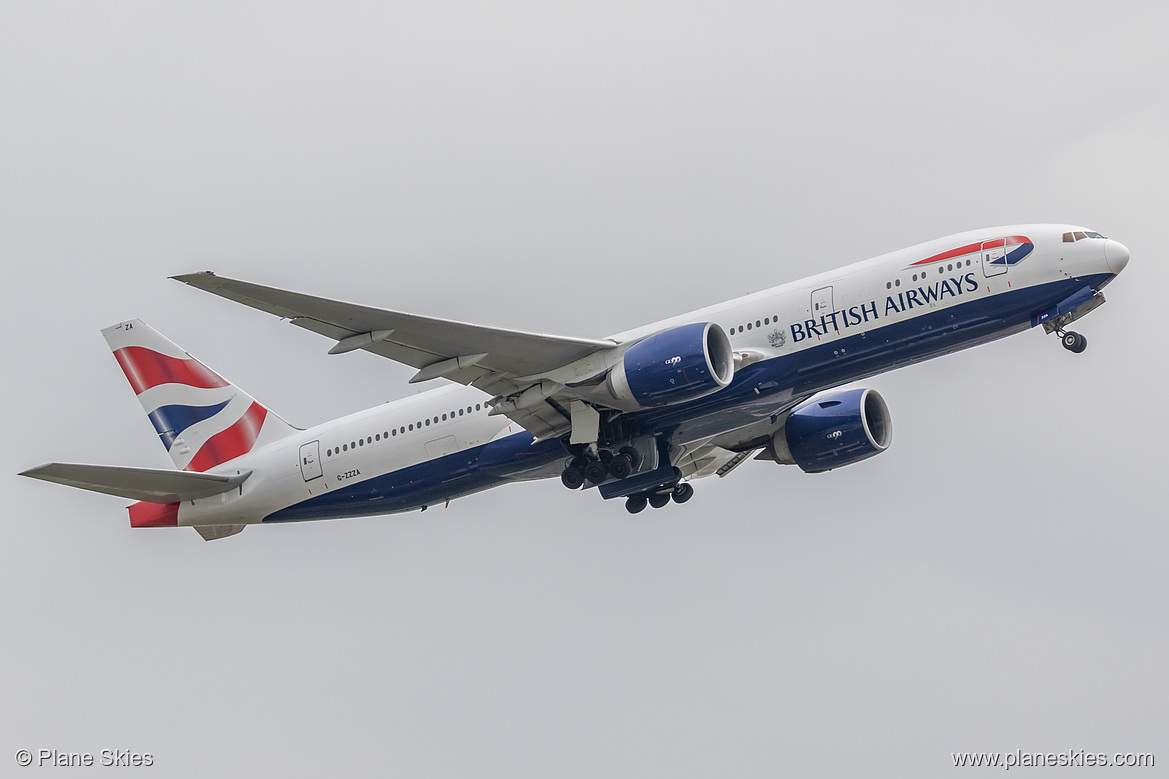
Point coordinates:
[(1116, 254)]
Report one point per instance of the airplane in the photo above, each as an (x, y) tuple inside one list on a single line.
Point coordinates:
[(638, 415)]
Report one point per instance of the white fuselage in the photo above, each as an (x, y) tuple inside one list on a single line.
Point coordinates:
[(824, 312)]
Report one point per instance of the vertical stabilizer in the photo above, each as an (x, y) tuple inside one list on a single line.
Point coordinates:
[(202, 419)]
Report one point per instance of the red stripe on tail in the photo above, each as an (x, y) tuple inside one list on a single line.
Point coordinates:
[(232, 442), (146, 368)]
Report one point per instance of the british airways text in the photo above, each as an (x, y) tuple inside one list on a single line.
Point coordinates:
[(904, 301)]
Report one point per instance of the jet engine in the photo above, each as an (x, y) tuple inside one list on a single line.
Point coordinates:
[(833, 431), (674, 366)]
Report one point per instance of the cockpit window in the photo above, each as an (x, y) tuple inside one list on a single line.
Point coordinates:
[(1079, 236)]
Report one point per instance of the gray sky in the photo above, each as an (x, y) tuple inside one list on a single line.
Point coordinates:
[(995, 581)]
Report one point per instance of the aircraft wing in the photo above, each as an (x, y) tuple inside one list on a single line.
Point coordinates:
[(498, 361)]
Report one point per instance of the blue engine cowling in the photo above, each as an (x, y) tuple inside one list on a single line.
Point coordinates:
[(674, 366), (834, 430)]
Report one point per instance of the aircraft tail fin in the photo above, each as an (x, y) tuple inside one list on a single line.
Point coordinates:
[(202, 419)]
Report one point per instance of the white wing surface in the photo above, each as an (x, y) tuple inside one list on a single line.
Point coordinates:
[(502, 362)]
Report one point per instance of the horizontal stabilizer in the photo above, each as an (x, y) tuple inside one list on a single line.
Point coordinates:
[(153, 485)]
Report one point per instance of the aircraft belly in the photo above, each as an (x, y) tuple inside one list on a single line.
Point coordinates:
[(433, 481)]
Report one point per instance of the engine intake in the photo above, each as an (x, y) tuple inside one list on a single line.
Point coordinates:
[(834, 431), (673, 366)]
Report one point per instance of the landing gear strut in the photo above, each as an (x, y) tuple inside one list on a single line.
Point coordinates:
[(1073, 342)]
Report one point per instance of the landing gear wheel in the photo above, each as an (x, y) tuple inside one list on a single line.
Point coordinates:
[(635, 505), (659, 499), (1074, 342), (620, 467), (682, 493), (596, 472), (572, 477), (633, 455)]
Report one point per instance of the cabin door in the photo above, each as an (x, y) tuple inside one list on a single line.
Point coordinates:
[(994, 259), (310, 460), (822, 302)]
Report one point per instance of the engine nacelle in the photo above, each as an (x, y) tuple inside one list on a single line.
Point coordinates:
[(674, 366), (834, 431)]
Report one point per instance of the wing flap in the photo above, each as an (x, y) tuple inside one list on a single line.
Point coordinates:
[(152, 485)]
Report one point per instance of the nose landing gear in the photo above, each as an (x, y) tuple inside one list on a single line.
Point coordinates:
[(1073, 342)]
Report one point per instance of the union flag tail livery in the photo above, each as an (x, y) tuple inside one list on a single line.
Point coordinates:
[(638, 415), (202, 419)]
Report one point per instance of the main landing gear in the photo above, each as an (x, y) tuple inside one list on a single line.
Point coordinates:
[(1073, 342), (597, 466), (681, 493), (607, 465)]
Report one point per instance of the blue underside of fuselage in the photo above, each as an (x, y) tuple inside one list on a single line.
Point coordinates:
[(755, 388)]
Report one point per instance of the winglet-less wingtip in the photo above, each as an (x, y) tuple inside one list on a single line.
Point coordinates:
[(187, 278)]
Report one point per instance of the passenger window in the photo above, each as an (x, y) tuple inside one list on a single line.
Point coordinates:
[(757, 323), (444, 417)]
